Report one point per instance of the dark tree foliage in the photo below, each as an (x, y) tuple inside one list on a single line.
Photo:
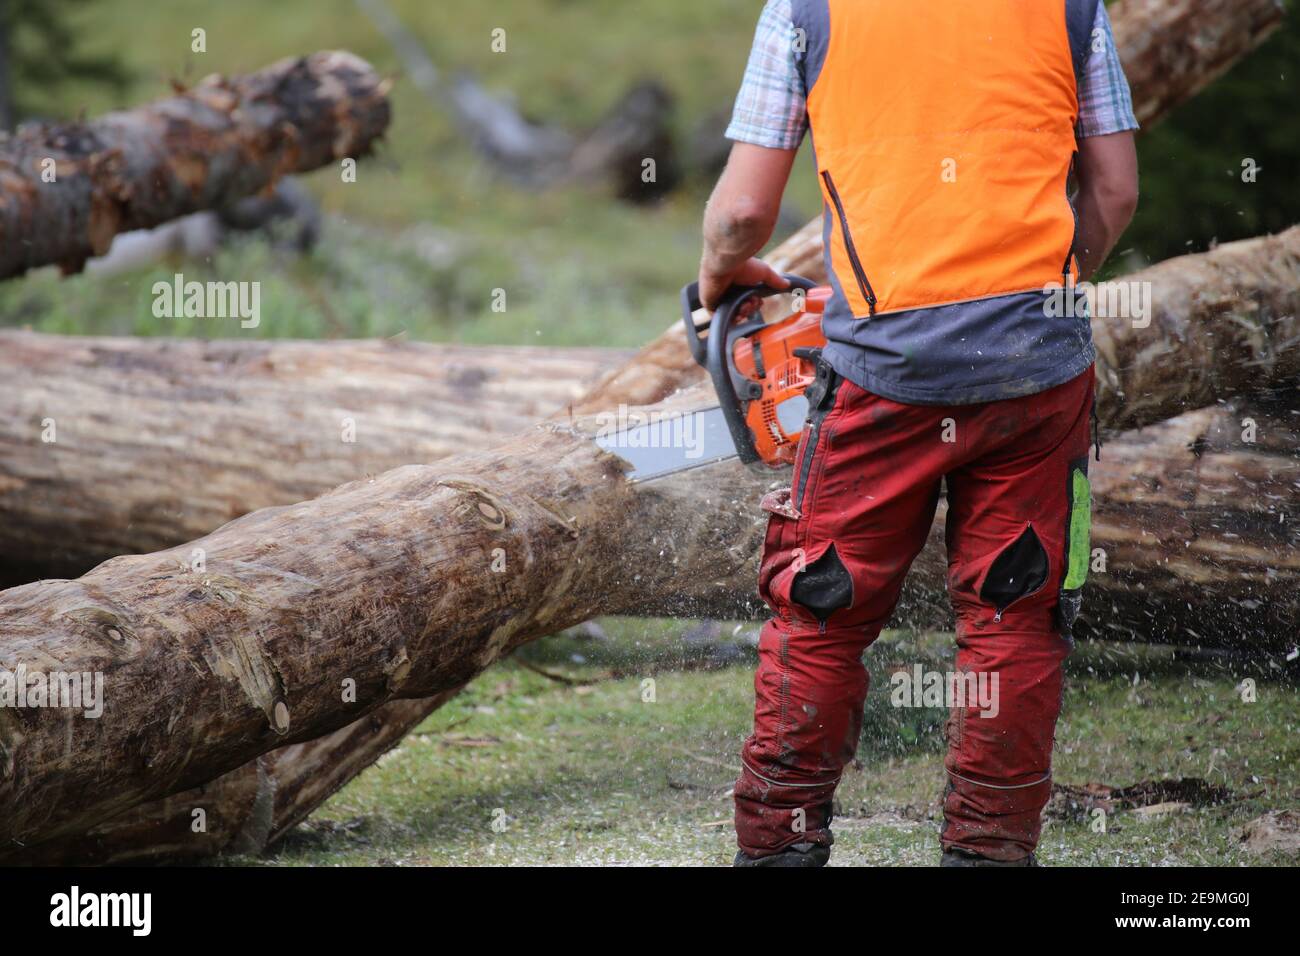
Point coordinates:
[(1193, 194), (39, 51)]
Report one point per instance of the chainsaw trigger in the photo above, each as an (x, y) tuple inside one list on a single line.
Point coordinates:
[(778, 503)]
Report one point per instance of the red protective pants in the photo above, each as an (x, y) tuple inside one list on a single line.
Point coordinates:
[(839, 543)]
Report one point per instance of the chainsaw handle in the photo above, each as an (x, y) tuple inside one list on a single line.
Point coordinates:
[(714, 353), (731, 302)]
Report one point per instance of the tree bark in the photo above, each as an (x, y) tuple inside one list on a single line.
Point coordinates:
[(243, 811), (1173, 50), (158, 441), (225, 139), (1223, 323)]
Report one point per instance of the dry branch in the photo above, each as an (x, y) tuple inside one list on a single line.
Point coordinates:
[(206, 148)]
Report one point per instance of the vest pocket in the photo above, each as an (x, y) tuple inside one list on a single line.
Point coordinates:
[(859, 273)]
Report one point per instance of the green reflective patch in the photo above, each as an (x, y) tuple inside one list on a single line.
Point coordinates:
[(1076, 571)]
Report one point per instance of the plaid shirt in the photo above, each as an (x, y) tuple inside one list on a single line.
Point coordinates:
[(771, 108)]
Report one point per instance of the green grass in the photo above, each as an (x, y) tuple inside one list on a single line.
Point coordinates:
[(588, 773)]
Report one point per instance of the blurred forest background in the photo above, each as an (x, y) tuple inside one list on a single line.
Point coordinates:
[(558, 734), (419, 241)]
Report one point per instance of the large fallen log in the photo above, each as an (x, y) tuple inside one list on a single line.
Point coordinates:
[(243, 811), (1222, 323), (408, 584), (66, 189), (121, 445)]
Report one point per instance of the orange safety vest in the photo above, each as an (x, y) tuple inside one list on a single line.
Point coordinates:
[(944, 133)]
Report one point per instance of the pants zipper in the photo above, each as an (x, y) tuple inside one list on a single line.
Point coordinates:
[(864, 286), (810, 451)]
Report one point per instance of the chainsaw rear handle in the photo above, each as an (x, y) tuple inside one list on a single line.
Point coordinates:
[(731, 302), (716, 353)]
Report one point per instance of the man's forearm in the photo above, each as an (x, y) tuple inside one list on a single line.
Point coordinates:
[(739, 220), (1102, 220), (1108, 195), (730, 239)]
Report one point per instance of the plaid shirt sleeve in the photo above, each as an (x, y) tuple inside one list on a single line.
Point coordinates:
[(1105, 104), (771, 107)]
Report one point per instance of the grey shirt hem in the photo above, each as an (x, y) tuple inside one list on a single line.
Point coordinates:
[(841, 358)]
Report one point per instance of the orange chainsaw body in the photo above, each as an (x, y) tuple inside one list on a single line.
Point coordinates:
[(768, 357), (759, 369)]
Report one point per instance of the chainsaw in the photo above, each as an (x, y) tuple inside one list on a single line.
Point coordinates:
[(759, 371)]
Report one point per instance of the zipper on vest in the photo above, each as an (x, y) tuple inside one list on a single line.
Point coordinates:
[(1074, 236), (864, 286)]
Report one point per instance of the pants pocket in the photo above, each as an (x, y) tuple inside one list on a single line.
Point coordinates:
[(824, 586), (813, 582), (1017, 571)]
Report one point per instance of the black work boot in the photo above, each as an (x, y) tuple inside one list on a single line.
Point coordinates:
[(958, 857), (799, 854)]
